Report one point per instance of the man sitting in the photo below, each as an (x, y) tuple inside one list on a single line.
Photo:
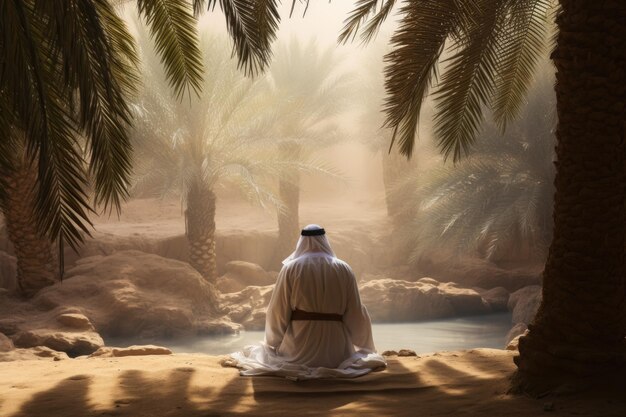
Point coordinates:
[(316, 325)]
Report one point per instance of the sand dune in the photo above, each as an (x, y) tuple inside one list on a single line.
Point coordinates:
[(471, 383)]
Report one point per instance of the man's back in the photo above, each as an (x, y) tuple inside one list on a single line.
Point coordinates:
[(315, 324)]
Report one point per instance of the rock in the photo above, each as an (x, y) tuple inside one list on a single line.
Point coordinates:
[(464, 301), (142, 350), (240, 274), (401, 352), (248, 306), (514, 343), (427, 280), (132, 294), (8, 271), (249, 273), (497, 298), (217, 327), (135, 350), (227, 285), (75, 321), (6, 344), (524, 304), (397, 300), (516, 330), (36, 353), (9, 326), (72, 343), (473, 272)]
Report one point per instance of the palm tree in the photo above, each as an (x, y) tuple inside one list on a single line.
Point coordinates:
[(307, 92), (67, 69), (218, 138), (494, 46), (498, 201), (371, 132)]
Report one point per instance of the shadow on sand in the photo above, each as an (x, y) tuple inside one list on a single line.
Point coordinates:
[(442, 386)]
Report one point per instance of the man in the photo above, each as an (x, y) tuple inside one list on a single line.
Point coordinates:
[(316, 326)]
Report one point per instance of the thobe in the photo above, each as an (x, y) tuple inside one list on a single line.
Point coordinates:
[(314, 280)]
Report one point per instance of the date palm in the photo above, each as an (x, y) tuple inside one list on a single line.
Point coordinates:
[(67, 68), (496, 203), (218, 139), (306, 90), (492, 47)]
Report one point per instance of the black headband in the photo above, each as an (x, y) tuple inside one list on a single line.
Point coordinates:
[(315, 232)]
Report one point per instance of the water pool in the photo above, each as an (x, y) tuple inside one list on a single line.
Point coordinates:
[(429, 336)]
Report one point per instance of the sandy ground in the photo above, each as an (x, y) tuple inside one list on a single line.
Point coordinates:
[(153, 217), (471, 383)]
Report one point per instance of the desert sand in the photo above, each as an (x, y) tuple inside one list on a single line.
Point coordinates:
[(472, 383)]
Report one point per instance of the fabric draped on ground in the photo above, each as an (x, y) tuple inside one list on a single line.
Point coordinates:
[(261, 359)]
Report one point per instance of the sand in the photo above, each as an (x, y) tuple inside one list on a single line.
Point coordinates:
[(471, 383)]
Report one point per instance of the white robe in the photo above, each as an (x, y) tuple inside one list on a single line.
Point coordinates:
[(306, 349)]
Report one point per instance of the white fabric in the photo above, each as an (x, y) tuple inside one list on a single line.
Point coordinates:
[(313, 281), (311, 244)]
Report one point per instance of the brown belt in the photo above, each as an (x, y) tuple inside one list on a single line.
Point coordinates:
[(305, 315)]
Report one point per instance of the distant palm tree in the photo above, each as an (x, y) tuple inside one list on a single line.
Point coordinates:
[(496, 202), (67, 68), (369, 99), (307, 90), (190, 148)]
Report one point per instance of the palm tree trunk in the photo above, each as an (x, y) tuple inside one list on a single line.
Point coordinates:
[(395, 165), (581, 324), (37, 264), (289, 192), (200, 229)]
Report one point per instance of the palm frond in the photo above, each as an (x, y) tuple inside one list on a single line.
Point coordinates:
[(362, 10), (522, 42), (372, 27), (174, 31), (468, 82), (42, 107), (411, 65), (252, 25), (94, 39)]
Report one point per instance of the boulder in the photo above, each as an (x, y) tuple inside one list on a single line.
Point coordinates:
[(524, 304), (473, 272), (517, 330), (135, 350), (248, 306), (401, 353), (240, 274), (497, 298), (72, 343), (36, 353), (248, 273), (397, 300), (9, 326), (75, 321), (513, 344), (6, 344), (132, 294)]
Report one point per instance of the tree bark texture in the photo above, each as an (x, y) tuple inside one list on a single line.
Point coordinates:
[(580, 328), (37, 263), (200, 229), (289, 193)]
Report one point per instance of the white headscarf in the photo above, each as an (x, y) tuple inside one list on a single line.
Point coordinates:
[(311, 245)]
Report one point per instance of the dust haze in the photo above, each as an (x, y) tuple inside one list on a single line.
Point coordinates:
[(224, 180)]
